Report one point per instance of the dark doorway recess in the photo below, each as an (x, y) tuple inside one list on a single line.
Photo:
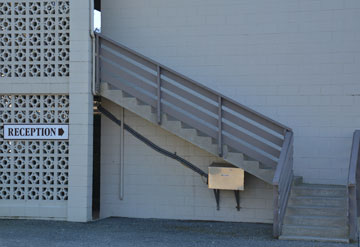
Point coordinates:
[(96, 165), (97, 5)]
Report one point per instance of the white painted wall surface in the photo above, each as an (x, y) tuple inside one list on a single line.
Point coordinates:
[(81, 114), (158, 187), (295, 61)]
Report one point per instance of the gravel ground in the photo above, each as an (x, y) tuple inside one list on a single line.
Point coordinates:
[(141, 232)]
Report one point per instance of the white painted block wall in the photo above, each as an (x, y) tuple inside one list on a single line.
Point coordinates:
[(76, 84), (296, 61), (158, 187), (81, 114)]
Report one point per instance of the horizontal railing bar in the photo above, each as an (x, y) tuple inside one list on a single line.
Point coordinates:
[(355, 149), (126, 64), (130, 54), (252, 128), (255, 117), (251, 140), (128, 89), (189, 108), (189, 96), (128, 77), (168, 109), (248, 151), (190, 85), (245, 108)]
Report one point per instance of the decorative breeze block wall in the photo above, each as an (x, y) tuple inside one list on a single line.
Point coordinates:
[(34, 38), (34, 170)]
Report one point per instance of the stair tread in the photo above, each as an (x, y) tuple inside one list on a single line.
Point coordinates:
[(315, 206), (309, 238), (320, 186), (315, 227), (319, 197), (316, 216)]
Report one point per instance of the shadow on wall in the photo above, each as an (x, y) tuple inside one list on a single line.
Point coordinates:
[(97, 5)]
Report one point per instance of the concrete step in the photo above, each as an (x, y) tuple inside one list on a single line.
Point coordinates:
[(315, 210), (319, 190), (297, 180), (320, 239), (263, 166), (318, 201), (302, 220), (315, 231)]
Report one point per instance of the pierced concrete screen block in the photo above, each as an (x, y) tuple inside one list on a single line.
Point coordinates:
[(34, 170), (34, 38)]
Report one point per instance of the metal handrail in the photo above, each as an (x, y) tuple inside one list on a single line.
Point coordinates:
[(214, 114), (192, 81), (353, 187)]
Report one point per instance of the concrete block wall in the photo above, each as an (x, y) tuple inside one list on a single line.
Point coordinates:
[(295, 61), (159, 187), (53, 19)]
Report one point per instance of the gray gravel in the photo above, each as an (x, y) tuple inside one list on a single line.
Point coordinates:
[(141, 232)]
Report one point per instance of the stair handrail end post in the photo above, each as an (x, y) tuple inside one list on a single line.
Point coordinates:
[(283, 170), (353, 187), (276, 211), (283, 155)]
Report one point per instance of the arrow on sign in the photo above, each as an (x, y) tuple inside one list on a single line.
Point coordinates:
[(61, 131)]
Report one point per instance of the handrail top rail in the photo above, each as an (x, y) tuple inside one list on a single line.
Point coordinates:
[(286, 148), (286, 128), (353, 158)]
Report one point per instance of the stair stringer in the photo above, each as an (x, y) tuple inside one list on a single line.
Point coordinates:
[(175, 127)]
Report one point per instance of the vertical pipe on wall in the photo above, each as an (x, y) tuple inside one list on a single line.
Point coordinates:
[(92, 35), (220, 144), (158, 94), (122, 117)]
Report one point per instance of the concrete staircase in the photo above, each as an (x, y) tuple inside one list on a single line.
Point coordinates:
[(316, 212), (185, 132)]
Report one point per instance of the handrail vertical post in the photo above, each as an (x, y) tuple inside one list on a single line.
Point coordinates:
[(97, 72), (220, 144), (158, 94), (352, 214), (276, 230), (352, 187), (282, 182)]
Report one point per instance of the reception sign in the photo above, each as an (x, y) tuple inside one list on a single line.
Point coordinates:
[(36, 132)]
